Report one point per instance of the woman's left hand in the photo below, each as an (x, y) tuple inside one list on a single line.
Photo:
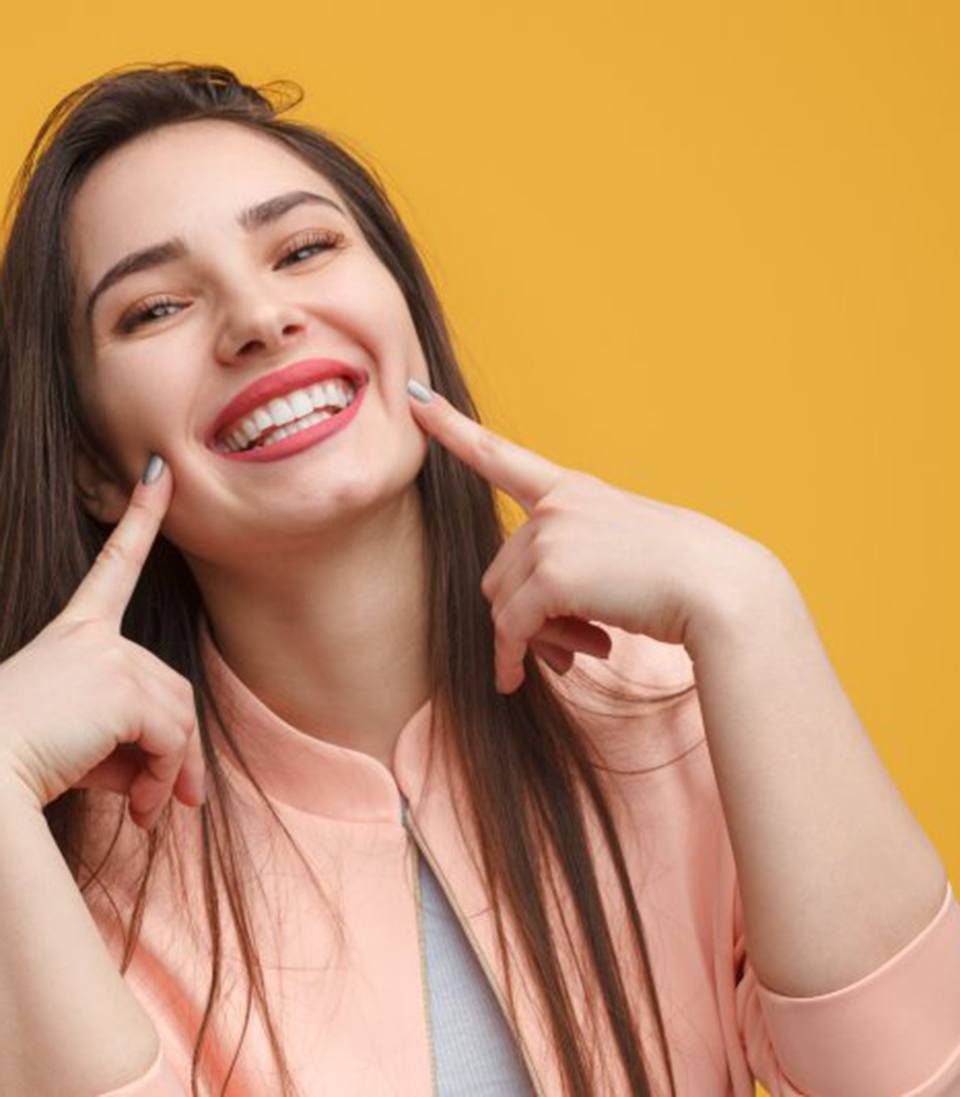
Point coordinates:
[(592, 552)]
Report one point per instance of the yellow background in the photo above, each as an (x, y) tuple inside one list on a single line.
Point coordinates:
[(707, 251)]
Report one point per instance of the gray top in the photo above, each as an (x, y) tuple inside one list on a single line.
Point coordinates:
[(474, 1050)]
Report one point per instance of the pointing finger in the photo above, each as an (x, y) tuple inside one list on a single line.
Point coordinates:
[(519, 472), (107, 587)]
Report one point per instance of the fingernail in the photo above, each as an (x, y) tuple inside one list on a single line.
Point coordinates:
[(419, 392), (153, 469)]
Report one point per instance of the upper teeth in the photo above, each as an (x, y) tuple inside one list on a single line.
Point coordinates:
[(337, 392)]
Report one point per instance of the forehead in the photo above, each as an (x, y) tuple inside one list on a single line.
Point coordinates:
[(188, 179)]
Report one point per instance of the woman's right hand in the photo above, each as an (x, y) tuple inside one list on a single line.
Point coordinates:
[(81, 706)]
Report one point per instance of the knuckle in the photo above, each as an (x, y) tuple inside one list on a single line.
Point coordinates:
[(139, 504), (548, 574), (542, 546), (179, 723), (192, 722), (112, 552), (184, 690), (186, 719)]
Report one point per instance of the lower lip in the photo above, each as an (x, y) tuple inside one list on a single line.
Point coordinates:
[(302, 439)]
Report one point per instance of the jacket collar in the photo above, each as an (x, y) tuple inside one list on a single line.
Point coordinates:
[(328, 780), (307, 773)]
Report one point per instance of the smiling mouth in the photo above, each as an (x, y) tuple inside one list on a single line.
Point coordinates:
[(282, 416)]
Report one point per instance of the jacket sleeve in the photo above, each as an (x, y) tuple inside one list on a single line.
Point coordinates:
[(893, 1033)]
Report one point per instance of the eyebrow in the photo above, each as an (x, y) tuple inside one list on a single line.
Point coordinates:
[(154, 255)]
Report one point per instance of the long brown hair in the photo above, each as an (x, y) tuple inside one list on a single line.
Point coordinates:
[(525, 756)]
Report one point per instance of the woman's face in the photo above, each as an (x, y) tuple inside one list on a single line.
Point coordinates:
[(226, 304)]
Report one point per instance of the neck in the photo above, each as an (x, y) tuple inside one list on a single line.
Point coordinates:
[(334, 641)]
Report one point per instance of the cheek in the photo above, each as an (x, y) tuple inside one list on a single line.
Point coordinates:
[(138, 413), (126, 418), (391, 461), (110, 423), (383, 322)]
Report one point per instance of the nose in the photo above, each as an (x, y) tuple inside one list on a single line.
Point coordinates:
[(259, 326)]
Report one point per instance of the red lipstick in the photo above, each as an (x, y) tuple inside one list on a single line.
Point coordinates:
[(283, 381), (308, 436)]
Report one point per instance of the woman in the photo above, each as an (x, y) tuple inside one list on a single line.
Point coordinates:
[(308, 606)]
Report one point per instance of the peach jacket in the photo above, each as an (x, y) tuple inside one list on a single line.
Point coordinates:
[(351, 1006)]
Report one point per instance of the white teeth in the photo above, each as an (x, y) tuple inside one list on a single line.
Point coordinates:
[(253, 425), (262, 420), (300, 424), (301, 404), (280, 411), (287, 413)]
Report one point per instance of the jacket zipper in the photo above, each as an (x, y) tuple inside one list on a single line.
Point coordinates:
[(424, 851), (423, 966)]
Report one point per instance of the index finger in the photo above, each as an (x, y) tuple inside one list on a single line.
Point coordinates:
[(106, 588), (519, 472)]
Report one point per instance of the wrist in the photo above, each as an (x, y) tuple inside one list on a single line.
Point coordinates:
[(759, 593), (16, 789)]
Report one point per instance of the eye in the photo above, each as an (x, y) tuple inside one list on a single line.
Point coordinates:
[(324, 241), (307, 240), (145, 314)]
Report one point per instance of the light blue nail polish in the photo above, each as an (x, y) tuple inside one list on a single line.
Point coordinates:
[(153, 469), (419, 392)]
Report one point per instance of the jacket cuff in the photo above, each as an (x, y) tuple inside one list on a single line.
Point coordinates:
[(896, 1031)]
